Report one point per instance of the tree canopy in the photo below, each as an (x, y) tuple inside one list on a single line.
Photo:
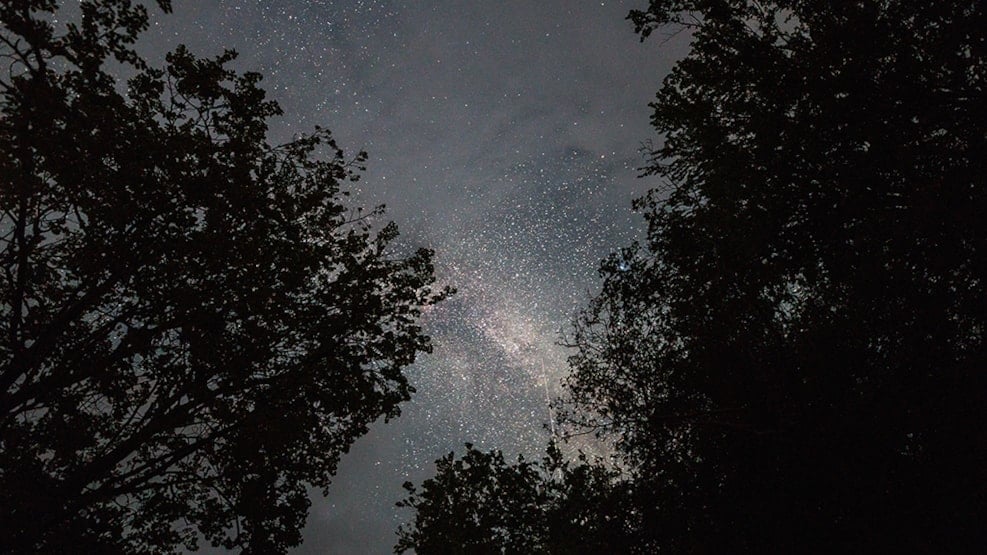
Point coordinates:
[(480, 503), (794, 359), (193, 325)]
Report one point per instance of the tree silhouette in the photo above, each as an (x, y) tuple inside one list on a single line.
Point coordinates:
[(794, 360), (480, 503), (193, 327)]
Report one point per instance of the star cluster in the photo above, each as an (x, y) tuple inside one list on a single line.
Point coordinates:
[(519, 265)]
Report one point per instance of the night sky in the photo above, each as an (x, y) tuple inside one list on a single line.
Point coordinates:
[(503, 134)]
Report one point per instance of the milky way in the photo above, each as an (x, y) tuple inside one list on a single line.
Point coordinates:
[(518, 268), (505, 136)]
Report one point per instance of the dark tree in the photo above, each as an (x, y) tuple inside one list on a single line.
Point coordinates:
[(794, 361), (482, 504), (193, 327)]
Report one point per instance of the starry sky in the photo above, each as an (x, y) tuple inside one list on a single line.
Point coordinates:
[(504, 134)]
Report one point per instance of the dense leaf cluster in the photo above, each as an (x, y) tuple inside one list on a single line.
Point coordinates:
[(794, 361), (193, 327), (481, 503)]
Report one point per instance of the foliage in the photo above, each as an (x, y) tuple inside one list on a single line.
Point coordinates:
[(794, 360), (479, 503), (193, 327)]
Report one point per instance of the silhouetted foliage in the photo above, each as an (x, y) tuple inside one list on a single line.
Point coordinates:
[(192, 326), (794, 361), (480, 503)]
